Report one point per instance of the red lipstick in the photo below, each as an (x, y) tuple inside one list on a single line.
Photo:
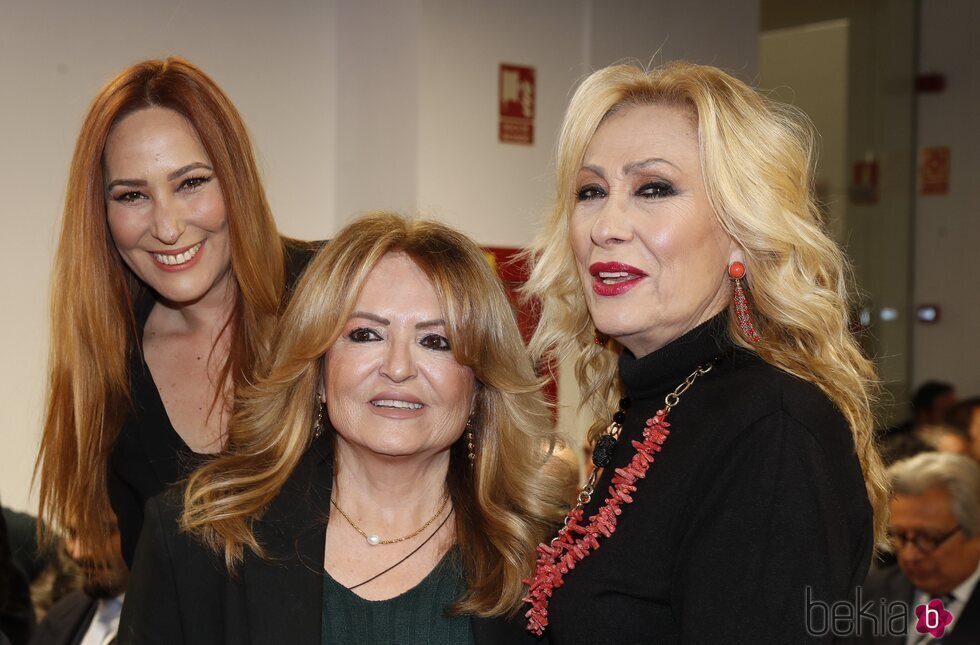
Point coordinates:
[(614, 278)]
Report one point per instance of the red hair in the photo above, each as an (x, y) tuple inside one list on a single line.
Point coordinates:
[(93, 326)]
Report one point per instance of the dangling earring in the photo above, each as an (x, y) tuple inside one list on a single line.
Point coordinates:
[(318, 421), (736, 271), (470, 448), (600, 338)]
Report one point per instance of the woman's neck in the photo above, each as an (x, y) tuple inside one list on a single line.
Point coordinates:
[(207, 315), (391, 495)]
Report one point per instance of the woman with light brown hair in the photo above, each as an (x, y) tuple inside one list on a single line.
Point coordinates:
[(168, 277), (384, 476), (687, 271)]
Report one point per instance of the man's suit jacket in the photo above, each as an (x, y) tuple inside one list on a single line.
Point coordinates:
[(67, 620), (180, 592), (891, 584)]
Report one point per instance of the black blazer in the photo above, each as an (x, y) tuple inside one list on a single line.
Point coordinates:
[(180, 593), (67, 620), (891, 584)]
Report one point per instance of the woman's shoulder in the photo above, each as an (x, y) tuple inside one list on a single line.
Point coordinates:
[(777, 389), (768, 395), (162, 517), (164, 545)]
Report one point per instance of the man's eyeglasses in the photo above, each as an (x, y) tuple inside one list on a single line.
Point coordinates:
[(924, 542)]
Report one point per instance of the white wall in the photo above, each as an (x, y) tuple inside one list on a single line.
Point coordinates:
[(494, 191), (353, 106), (807, 67), (947, 227), (710, 32), (377, 107)]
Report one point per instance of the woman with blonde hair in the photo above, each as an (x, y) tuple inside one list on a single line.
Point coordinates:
[(168, 278), (383, 479), (686, 269)]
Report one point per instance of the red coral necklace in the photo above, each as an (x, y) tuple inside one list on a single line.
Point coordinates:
[(574, 541)]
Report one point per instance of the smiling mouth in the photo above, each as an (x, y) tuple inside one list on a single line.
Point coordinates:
[(178, 258), (615, 277), (396, 404)]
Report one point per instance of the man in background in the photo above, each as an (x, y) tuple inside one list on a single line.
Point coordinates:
[(89, 616), (935, 530)]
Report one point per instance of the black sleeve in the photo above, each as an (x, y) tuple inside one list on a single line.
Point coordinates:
[(151, 613), (771, 531)]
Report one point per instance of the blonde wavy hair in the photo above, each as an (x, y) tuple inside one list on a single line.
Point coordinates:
[(93, 325), (757, 160), (505, 505)]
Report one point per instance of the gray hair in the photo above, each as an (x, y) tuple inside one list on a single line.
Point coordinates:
[(959, 475)]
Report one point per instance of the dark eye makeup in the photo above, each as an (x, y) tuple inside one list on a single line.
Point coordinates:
[(190, 183), (656, 189), (363, 335), (589, 192), (129, 197), (435, 341)]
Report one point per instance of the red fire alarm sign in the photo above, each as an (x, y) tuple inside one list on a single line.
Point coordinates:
[(517, 96)]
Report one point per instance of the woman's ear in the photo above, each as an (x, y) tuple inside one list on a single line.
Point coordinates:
[(736, 254)]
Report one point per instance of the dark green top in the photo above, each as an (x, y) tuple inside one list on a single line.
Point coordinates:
[(416, 616)]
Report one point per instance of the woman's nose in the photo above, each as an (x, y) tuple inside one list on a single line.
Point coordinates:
[(612, 224), (168, 222), (399, 363)]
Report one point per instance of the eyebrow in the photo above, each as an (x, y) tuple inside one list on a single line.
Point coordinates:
[(652, 161), (632, 166), (180, 172), (425, 324)]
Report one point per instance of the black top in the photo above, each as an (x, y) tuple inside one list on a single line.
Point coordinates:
[(149, 455), (419, 615), (756, 496), (181, 594)]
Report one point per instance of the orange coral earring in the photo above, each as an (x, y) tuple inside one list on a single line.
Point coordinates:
[(736, 271)]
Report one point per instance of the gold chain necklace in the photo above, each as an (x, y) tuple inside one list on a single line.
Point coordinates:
[(374, 540)]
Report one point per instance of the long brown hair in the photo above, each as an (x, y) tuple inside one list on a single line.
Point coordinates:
[(757, 159), (93, 326), (505, 505)]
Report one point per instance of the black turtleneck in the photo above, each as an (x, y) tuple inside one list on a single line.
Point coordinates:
[(756, 496)]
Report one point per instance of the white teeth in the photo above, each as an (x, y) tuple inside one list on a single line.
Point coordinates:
[(615, 277), (392, 403), (180, 258)]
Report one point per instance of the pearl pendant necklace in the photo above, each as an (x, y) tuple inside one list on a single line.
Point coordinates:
[(374, 539)]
